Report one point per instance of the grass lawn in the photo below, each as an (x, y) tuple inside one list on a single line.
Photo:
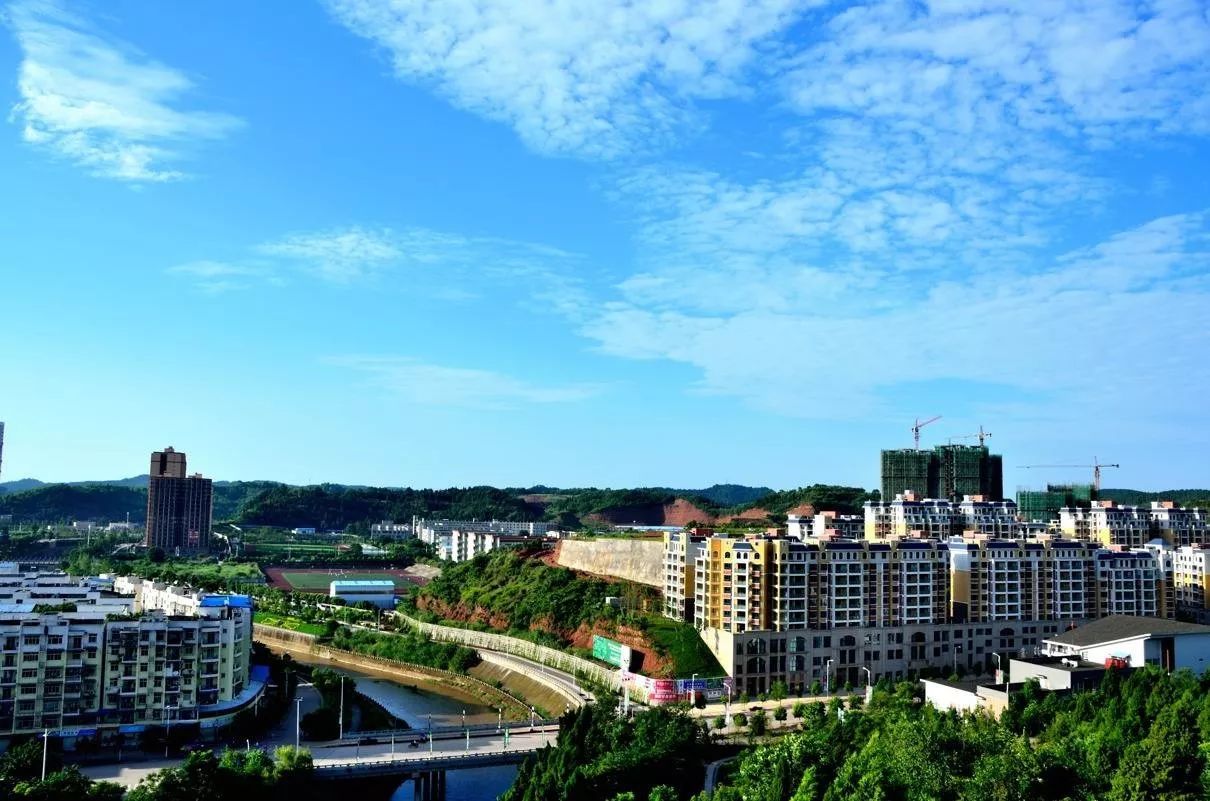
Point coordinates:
[(291, 623), (319, 581), (681, 643)]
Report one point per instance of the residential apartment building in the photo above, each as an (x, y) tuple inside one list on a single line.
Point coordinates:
[(1190, 578), (179, 507), (681, 550), (388, 529), (86, 664), (1135, 526), (831, 524), (460, 540), (907, 515), (779, 609)]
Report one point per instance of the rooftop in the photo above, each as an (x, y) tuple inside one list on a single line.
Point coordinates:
[(1125, 627)]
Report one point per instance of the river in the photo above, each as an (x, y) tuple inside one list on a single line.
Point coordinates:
[(415, 704)]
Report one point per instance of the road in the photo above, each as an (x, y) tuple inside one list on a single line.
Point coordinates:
[(330, 754)]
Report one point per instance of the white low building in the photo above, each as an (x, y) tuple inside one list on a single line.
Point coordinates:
[(1136, 641), (380, 592)]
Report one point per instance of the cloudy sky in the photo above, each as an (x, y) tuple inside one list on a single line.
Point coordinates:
[(668, 242)]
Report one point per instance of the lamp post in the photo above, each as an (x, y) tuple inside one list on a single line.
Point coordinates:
[(1000, 670), (45, 744), (342, 707), (430, 732), (168, 729), (297, 720), (693, 690), (531, 718), (827, 677), (869, 677)]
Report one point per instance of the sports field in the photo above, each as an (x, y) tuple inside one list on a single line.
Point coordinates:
[(317, 580)]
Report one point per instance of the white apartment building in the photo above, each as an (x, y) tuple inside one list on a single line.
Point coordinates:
[(830, 524), (932, 518), (1179, 527), (101, 664), (389, 529), (460, 540), (1191, 582), (681, 552), (1108, 523)]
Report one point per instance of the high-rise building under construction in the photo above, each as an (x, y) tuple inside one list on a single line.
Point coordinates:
[(947, 471)]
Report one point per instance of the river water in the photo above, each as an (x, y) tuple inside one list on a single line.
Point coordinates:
[(415, 703)]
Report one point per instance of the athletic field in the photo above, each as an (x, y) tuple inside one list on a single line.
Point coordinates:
[(317, 579)]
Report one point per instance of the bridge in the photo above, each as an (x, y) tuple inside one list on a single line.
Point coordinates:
[(425, 760), (389, 755)]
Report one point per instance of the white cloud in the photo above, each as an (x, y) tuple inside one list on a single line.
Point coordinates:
[(96, 101), (597, 79), (447, 267), (438, 385), (338, 255), (1112, 329)]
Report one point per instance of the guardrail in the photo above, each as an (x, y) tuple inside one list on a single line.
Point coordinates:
[(448, 731), (339, 770), (541, 654), (312, 644)]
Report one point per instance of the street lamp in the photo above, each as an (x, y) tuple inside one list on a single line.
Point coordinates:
[(1000, 670), (297, 719), (827, 677), (342, 707), (693, 690), (45, 744), (532, 712), (869, 677), (168, 728)]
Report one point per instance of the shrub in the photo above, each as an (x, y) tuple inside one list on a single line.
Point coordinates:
[(720, 721), (739, 719), (800, 710), (779, 713)]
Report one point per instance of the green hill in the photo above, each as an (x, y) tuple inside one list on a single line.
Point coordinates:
[(1185, 497)]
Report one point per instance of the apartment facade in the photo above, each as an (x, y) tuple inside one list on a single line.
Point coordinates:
[(91, 665), (461, 540), (776, 609), (908, 515), (681, 550)]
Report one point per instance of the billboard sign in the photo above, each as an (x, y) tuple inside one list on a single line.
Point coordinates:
[(610, 651)]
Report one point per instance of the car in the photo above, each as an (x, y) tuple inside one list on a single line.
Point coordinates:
[(413, 744), (756, 708)]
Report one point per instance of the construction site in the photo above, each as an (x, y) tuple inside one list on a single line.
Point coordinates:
[(952, 471)]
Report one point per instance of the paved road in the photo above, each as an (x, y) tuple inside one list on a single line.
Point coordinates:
[(130, 775)]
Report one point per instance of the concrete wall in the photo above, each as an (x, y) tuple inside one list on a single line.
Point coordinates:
[(635, 560)]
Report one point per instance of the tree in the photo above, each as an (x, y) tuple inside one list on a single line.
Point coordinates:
[(816, 688), (758, 724), (799, 709), (663, 792), (292, 762), (320, 724), (778, 691), (1166, 765), (68, 784), (779, 713)]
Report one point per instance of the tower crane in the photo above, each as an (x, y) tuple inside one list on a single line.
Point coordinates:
[(919, 425), (1096, 469), (981, 436)]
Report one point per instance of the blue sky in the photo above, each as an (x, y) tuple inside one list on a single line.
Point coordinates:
[(614, 244)]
